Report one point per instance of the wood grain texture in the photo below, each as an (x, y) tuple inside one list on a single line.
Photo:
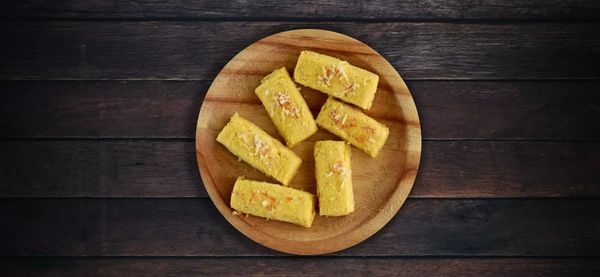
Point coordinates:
[(99, 169), (380, 185), (189, 43), (449, 169), (316, 9), (113, 109), (198, 50), (549, 110), (193, 227), (322, 266)]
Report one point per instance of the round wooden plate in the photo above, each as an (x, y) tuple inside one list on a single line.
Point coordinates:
[(380, 184)]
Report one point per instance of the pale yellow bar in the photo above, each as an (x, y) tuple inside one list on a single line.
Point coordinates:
[(256, 147), (273, 201), (286, 107), (353, 126), (337, 78), (334, 178)]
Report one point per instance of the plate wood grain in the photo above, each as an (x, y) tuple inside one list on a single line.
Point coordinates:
[(381, 184)]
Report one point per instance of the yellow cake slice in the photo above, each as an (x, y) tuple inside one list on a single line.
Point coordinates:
[(337, 78), (334, 178), (353, 126), (256, 147), (286, 107), (273, 201)]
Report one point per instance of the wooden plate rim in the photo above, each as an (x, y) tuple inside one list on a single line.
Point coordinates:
[(351, 238)]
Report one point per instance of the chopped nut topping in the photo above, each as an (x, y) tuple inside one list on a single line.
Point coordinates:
[(256, 146), (287, 106), (334, 71), (331, 71), (253, 142), (340, 119), (344, 76), (244, 137), (350, 87), (338, 168), (324, 80), (336, 116), (268, 202), (370, 133), (235, 213), (369, 129), (260, 147)]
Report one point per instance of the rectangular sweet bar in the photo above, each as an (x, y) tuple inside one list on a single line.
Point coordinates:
[(286, 107), (334, 178), (256, 147), (353, 126), (337, 78), (273, 201)]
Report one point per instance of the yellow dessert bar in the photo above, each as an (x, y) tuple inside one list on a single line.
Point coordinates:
[(337, 78), (353, 126), (286, 107), (273, 201), (334, 178), (256, 147)]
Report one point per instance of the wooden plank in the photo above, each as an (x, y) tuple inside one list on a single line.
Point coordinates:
[(508, 169), (169, 109), (331, 9), (198, 50), (99, 169), (168, 169), (100, 109), (193, 227), (322, 266), (508, 110)]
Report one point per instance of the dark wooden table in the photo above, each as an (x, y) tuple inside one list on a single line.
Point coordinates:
[(99, 101)]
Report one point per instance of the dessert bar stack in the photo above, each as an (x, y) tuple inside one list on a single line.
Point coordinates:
[(350, 89)]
